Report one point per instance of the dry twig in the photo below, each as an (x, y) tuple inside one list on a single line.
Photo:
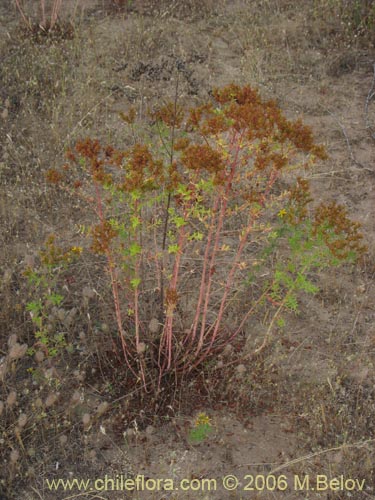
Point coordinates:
[(370, 96), (360, 444)]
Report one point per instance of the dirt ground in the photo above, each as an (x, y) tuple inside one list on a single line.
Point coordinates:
[(307, 408)]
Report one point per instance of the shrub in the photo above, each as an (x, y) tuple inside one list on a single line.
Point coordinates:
[(209, 216)]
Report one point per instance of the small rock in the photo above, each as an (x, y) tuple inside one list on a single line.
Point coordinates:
[(88, 292), (150, 430), (61, 314), (69, 318), (12, 340), (29, 260), (51, 399), (17, 351), (241, 369), (227, 350), (102, 408), (22, 420), (14, 456), (3, 368), (39, 356), (154, 326), (86, 419), (63, 440), (76, 397), (38, 403), (141, 348), (11, 399)]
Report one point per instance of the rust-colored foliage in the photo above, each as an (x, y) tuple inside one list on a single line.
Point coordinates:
[(340, 234), (299, 198), (130, 116), (102, 235), (240, 112), (181, 144), (171, 297), (53, 176), (196, 114), (202, 157), (90, 150), (171, 114), (142, 171), (262, 119), (52, 255), (70, 156)]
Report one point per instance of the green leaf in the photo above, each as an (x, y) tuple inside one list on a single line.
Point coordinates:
[(196, 236), (183, 191), (173, 249), (135, 249), (37, 320), (281, 322), (304, 284), (70, 348), (35, 279), (42, 336), (135, 221), (135, 194), (291, 302), (291, 267), (59, 338), (135, 282), (200, 433), (179, 221), (35, 307), (56, 299)]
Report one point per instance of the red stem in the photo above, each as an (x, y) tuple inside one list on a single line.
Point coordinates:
[(229, 283), (114, 281), (204, 270), (234, 144), (168, 327)]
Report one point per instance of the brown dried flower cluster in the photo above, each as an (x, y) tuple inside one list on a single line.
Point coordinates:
[(171, 114), (52, 255), (299, 198), (202, 157), (340, 234), (53, 176), (142, 170), (251, 119), (102, 235)]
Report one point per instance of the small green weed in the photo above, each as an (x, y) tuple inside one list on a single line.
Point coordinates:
[(45, 309), (201, 430)]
